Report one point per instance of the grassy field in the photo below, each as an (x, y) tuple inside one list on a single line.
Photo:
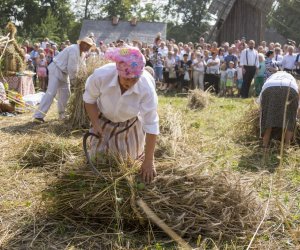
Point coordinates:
[(211, 140)]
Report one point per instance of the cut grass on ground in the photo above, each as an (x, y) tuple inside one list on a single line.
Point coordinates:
[(208, 139)]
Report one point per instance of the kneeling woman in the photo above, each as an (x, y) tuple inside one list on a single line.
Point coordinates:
[(279, 90), (121, 102)]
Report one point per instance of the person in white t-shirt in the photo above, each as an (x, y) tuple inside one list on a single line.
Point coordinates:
[(121, 102), (198, 67), (213, 64), (288, 61), (163, 50), (213, 71)]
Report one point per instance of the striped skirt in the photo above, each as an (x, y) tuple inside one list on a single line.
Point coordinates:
[(123, 139)]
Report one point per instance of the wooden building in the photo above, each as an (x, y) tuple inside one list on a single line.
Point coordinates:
[(239, 18), (108, 31)]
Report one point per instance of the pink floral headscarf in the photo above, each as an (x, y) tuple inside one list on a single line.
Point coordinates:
[(129, 60)]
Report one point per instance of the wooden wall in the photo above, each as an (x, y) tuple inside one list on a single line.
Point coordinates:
[(243, 20)]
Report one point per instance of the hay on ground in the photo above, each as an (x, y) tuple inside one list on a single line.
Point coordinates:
[(248, 126), (217, 206), (198, 99), (77, 115), (172, 131), (49, 152)]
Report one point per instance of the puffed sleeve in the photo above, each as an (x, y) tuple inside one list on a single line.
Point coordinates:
[(148, 112), (92, 89)]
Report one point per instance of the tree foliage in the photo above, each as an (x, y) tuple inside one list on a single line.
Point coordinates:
[(30, 15), (150, 12), (88, 9), (285, 19), (191, 12), (190, 19), (49, 27), (185, 32), (124, 9)]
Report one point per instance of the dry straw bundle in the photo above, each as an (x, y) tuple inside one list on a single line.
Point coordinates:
[(192, 204), (248, 125), (77, 115), (49, 152), (171, 132), (198, 99)]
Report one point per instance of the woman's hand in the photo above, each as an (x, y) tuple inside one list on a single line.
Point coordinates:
[(148, 171), (97, 130)]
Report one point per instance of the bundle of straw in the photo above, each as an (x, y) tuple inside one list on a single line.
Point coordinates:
[(171, 132), (190, 203), (198, 99), (248, 125), (77, 115)]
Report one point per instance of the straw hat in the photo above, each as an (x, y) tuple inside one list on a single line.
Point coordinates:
[(86, 40)]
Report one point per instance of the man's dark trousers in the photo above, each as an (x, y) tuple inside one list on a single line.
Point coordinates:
[(247, 79)]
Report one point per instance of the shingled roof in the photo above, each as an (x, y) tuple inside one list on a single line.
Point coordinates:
[(105, 31)]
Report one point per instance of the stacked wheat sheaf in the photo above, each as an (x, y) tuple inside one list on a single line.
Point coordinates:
[(77, 115)]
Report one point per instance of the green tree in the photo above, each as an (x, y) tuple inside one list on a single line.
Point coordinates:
[(193, 12), (190, 19), (49, 27), (121, 8), (88, 9), (185, 32), (285, 18), (149, 12), (8, 12), (29, 14)]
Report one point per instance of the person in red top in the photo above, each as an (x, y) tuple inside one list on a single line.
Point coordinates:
[(29, 48)]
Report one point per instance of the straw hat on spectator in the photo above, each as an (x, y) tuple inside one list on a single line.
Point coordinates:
[(86, 40)]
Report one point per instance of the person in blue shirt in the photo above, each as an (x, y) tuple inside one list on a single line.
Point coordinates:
[(230, 58)]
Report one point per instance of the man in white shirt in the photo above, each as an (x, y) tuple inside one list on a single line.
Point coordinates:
[(288, 61), (250, 64), (213, 64), (163, 49), (124, 95), (226, 49), (62, 70), (213, 71), (44, 43), (278, 57)]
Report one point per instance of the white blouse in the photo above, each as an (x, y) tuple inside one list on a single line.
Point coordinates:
[(102, 87), (279, 79), (249, 57)]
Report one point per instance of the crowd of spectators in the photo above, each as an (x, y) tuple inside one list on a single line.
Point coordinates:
[(228, 68)]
